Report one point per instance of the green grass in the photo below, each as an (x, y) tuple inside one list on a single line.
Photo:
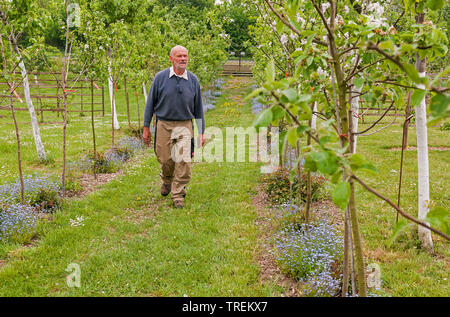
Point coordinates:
[(79, 132), (135, 244), (407, 270)]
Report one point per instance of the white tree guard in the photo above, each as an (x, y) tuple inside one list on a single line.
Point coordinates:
[(314, 117), (355, 111), (145, 92), (112, 98), (423, 169), (34, 123)]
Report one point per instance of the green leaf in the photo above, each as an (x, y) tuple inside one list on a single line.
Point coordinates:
[(292, 136), (407, 48), (389, 45), (358, 82), (290, 94), (409, 5), (277, 113), (341, 194), (304, 98), (302, 129), (412, 73), (282, 84), (253, 94), (420, 6), (438, 218), (326, 163), (310, 164), (435, 4), (417, 96), (359, 162), (264, 118), (336, 177), (439, 108), (270, 71)]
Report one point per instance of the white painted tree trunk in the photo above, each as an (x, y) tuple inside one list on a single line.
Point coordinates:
[(314, 117), (111, 97), (34, 123), (355, 111), (145, 92), (423, 169)]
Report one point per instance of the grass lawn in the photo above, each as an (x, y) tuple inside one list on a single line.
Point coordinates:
[(406, 269), (133, 243)]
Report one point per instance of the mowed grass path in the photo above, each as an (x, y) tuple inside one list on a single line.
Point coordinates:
[(133, 243)]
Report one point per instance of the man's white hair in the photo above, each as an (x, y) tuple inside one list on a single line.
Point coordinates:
[(176, 48)]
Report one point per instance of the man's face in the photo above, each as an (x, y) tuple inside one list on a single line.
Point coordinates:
[(179, 59)]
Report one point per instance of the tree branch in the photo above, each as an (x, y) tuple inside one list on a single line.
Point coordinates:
[(400, 211), (374, 47), (292, 115), (354, 71), (375, 123), (324, 20), (289, 25)]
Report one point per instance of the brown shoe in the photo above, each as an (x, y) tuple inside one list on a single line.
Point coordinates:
[(179, 203), (165, 189)]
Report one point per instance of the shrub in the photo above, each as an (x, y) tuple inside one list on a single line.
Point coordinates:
[(40, 192), (109, 161), (17, 222), (278, 186), (317, 184), (101, 163)]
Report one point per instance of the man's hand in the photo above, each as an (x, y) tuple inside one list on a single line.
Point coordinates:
[(200, 140), (147, 136)]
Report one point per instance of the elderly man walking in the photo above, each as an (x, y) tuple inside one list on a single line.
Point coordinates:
[(175, 99)]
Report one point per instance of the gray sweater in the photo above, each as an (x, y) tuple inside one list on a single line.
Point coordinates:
[(174, 99)]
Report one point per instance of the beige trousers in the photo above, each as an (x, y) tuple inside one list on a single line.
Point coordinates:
[(173, 151)]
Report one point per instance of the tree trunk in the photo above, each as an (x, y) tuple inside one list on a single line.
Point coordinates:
[(308, 181), (63, 83), (139, 114), (422, 154), (346, 137), (355, 110), (404, 145), (314, 117), (111, 94), (26, 87), (356, 236), (145, 92), (19, 158), (93, 129), (128, 102), (13, 114)]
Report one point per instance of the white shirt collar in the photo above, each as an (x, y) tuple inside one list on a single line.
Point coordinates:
[(184, 75)]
